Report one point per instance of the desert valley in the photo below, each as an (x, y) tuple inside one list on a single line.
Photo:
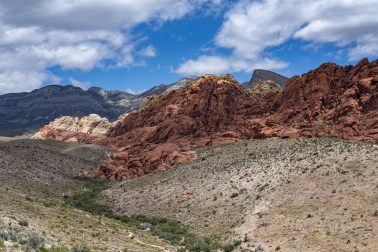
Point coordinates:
[(261, 136), (210, 165)]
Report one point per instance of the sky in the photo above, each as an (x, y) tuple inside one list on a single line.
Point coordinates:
[(134, 45)]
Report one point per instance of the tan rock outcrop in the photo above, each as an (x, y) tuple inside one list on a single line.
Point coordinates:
[(72, 129), (259, 90)]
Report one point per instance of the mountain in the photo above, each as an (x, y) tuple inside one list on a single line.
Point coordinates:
[(260, 75), (165, 131), (24, 113), (330, 101), (114, 98), (163, 88)]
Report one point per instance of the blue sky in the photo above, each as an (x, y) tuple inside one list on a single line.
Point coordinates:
[(173, 42), (189, 38), (128, 45)]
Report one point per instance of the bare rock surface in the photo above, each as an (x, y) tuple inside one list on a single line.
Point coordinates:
[(262, 88), (260, 75), (74, 129), (330, 101)]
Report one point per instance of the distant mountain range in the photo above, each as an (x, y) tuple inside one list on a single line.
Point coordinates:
[(23, 113)]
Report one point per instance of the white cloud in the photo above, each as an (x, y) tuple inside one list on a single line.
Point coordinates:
[(252, 27), (149, 51), (10, 81), (203, 65), (135, 92), (81, 84), (80, 34), (221, 64), (366, 47)]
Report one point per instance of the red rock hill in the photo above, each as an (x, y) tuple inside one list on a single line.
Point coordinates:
[(330, 101)]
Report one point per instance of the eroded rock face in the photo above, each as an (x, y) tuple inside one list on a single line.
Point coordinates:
[(261, 89), (331, 101), (71, 129), (167, 131)]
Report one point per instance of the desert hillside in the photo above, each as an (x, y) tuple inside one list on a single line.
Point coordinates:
[(38, 179), (316, 194), (288, 195)]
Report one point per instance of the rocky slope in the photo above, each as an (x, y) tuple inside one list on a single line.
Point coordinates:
[(331, 101), (260, 89), (85, 129), (328, 101), (23, 113), (260, 75), (315, 194)]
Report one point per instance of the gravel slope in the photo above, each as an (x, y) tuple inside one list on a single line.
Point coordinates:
[(293, 195)]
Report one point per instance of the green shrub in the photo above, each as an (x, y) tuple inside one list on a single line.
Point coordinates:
[(34, 241), (80, 248), (170, 230), (23, 223), (53, 249)]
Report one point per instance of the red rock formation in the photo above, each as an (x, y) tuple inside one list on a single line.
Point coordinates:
[(331, 101), (167, 130)]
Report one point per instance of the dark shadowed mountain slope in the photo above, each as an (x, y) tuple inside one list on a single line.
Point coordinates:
[(162, 88), (260, 75), (25, 112)]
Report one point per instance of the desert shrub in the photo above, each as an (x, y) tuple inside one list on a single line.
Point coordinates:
[(170, 230), (53, 249), (80, 248), (232, 247), (33, 241), (23, 223)]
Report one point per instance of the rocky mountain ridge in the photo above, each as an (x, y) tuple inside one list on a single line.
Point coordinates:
[(260, 75), (24, 113), (330, 101)]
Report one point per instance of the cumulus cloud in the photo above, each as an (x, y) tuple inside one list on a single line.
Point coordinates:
[(218, 65), (149, 51), (250, 28), (205, 64), (80, 34), (81, 84)]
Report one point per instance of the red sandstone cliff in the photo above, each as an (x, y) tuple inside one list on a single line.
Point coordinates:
[(330, 101)]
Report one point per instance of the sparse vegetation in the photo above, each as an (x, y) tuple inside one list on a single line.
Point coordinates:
[(283, 186), (173, 231), (33, 214), (80, 248), (23, 223), (262, 187)]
